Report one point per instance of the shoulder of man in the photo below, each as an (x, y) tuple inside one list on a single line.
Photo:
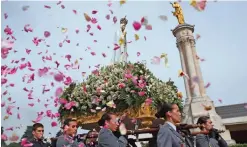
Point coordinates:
[(104, 131), (164, 127), (62, 140), (199, 136)]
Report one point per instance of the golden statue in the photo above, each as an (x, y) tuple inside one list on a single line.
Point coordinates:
[(178, 12)]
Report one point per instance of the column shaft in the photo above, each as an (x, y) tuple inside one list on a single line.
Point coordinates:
[(198, 71), (195, 92), (186, 82)]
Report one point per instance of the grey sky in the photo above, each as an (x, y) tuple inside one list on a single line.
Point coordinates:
[(222, 27)]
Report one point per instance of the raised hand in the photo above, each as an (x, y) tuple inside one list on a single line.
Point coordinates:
[(122, 129)]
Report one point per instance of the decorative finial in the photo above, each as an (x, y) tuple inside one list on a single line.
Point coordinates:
[(178, 12), (124, 21)]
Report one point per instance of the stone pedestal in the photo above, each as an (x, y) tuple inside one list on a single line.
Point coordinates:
[(194, 86)]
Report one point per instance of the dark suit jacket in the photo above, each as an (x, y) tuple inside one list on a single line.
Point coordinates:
[(39, 143), (67, 141), (204, 141), (107, 139), (168, 137)]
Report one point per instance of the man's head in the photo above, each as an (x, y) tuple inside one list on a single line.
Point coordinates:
[(110, 121), (38, 130), (70, 127), (206, 123), (169, 111)]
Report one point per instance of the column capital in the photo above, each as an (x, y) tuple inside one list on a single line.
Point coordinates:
[(186, 39), (182, 27)]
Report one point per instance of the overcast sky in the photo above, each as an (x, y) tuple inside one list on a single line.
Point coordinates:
[(222, 27)]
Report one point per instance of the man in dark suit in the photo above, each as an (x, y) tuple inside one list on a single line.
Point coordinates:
[(110, 124), (168, 135), (38, 140), (67, 139), (213, 139)]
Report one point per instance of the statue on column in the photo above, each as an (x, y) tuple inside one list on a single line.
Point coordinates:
[(178, 12), (123, 40), (120, 54)]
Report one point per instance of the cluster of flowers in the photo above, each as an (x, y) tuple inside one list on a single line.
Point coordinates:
[(118, 87)]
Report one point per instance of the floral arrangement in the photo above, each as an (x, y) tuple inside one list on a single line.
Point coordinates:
[(117, 87)]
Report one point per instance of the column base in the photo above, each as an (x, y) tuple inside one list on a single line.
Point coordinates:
[(195, 108)]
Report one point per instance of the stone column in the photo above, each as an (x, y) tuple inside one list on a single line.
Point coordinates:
[(195, 91), (198, 70)]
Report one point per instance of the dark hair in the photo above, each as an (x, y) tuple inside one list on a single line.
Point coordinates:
[(67, 121), (89, 134), (163, 108), (202, 119), (37, 125), (105, 117)]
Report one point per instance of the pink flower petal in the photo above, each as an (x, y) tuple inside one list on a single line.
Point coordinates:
[(68, 81), (38, 119), (47, 34), (104, 55), (98, 26), (88, 27), (155, 60), (111, 11), (58, 77), (31, 104), (3, 81), (28, 51), (22, 66), (36, 41), (9, 129), (42, 72), (5, 15), (13, 71), (141, 93), (8, 30), (136, 25), (25, 8), (94, 12), (18, 116), (4, 137), (59, 91), (68, 57), (114, 19), (27, 28), (94, 20), (48, 7), (148, 27), (93, 53), (53, 124), (208, 84), (107, 16), (57, 63)]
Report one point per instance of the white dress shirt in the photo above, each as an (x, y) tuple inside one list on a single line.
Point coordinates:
[(172, 125)]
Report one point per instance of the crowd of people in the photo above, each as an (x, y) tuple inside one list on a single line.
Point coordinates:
[(113, 132)]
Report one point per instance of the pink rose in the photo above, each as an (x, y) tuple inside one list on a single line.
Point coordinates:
[(121, 85)]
